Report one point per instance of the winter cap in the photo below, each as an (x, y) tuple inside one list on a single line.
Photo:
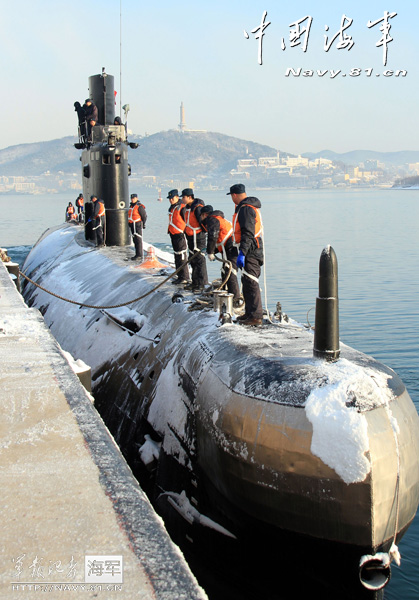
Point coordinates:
[(207, 209), (187, 192), (237, 188), (172, 194)]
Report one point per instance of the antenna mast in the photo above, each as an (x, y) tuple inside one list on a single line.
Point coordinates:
[(120, 57)]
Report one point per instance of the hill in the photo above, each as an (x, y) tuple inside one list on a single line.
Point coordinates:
[(164, 154), (356, 157)]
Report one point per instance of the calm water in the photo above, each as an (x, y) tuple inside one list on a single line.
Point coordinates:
[(376, 238)]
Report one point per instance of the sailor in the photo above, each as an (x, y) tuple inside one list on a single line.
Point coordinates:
[(98, 219), (81, 114), (80, 206), (137, 218), (247, 237), (176, 231), (69, 212), (195, 237), (91, 112), (220, 239)]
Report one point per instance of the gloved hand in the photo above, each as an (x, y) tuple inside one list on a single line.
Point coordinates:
[(211, 257), (240, 260)]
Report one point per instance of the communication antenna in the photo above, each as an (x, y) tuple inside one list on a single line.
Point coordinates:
[(120, 57)]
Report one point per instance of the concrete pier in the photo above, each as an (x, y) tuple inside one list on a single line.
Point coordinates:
[(74, 521)]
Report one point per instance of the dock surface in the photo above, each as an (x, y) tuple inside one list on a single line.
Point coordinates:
[(74, 521)]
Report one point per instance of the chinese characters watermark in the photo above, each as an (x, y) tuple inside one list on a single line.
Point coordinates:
[(385, 30), (35, 573), (103, 569), (38, 570), (300, 32)]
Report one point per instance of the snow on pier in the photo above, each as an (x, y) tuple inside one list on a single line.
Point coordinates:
[(73, 516)]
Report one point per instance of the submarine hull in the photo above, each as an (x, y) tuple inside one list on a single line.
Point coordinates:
[(216, 417)]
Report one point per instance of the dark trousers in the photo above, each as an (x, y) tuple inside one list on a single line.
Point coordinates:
[(137, 237), (232, 283), (198, 264), (251, 289), (180, 251), (98, 226)]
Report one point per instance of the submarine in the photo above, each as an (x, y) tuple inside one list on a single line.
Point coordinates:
[(245, 434)]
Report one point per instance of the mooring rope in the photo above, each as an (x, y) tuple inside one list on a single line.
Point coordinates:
[(114, 305), (85, 305)]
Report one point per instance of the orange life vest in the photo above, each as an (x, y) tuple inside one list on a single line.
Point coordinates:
[(226, 229), (70, 210), (81, 202), (101, 209), (133, 214), (192, 225), (237, 233), (176, 222)]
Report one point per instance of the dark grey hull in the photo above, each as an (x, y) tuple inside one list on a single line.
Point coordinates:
[(218, 416)]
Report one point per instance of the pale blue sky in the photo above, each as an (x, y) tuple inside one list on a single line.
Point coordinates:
[(196, 52)]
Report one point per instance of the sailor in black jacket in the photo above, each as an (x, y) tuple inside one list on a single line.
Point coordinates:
[(247, 236), (220, 239)]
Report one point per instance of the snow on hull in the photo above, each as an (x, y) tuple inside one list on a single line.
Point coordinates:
[(297, 443)]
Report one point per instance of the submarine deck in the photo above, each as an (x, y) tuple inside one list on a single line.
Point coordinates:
[(68, 496)]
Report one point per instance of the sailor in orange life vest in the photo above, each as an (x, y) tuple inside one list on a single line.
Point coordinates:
[(220, 239), (137, 218), (69, 212), (247, 237), (176, 230), (196, 239), (98, 219), (80, 206)]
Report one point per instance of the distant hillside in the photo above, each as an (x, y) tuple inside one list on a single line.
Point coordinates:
[(358, 156), (35, 159), (407, 182), (163, 154), (172, 154)]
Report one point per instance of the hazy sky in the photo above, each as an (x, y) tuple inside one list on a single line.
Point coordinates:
[(196, 52)]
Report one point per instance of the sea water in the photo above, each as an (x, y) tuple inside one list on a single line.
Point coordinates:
[(375, 234)]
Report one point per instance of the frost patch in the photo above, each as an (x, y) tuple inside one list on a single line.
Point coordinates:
[(149, 451), (340, 435), (340, 431)]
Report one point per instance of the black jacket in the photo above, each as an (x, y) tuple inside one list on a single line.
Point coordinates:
[(91, 112), (212, 226), (196, 207), (247, 220)]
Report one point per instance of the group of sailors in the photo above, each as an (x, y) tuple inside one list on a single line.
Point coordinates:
[(95, 220), (196, 229), (195, 226), (75, 213), (88, 117)]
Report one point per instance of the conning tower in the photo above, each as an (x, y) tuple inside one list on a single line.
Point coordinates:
[(105, 167)]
